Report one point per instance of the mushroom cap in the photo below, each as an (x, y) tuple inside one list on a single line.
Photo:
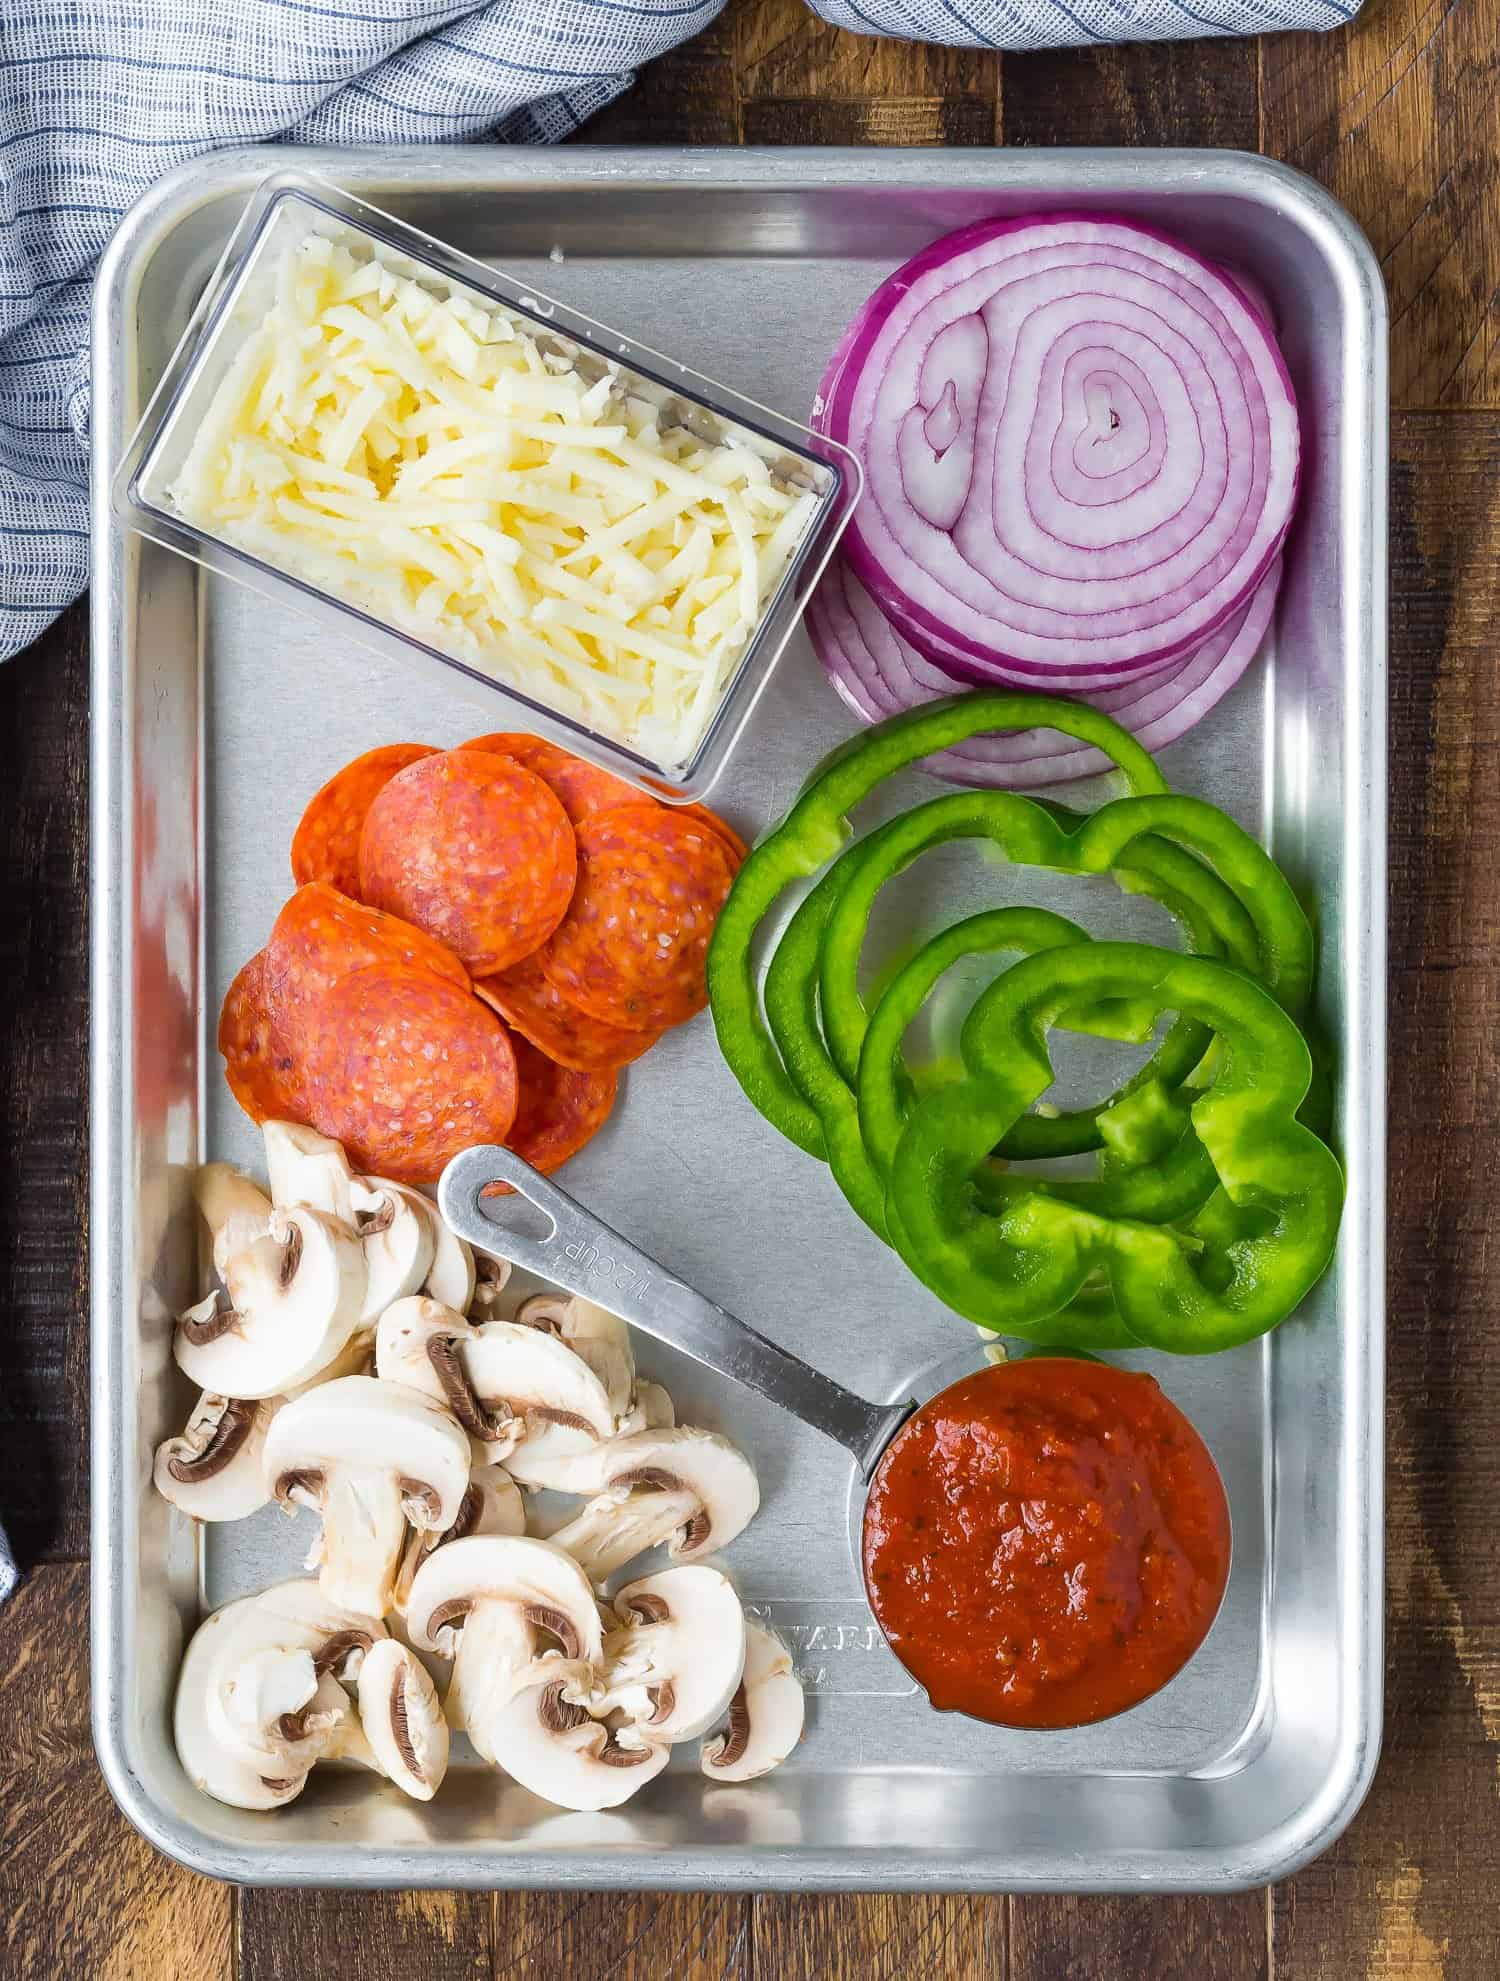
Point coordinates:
[(402, 1720), (212, 1469), (561, 1403), (492, 1504), (591, 1331), (450, 1277), (398, 1233), (308, 1171), (545, 1737), (540, 1585), (677, 1660), (582, 1471), (765, 1715), (295, 1294), (681, 1460), (417, 1342), (360, 1424), (249, 1671)]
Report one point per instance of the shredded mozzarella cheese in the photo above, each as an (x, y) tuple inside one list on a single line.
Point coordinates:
[(436, 462)]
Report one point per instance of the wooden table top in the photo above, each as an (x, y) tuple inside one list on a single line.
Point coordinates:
[(1399, 116)]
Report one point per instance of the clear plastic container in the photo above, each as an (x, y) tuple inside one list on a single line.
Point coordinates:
[(290, 209)]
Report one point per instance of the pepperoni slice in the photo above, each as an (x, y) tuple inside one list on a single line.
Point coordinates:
[(406, 1070), (476, 850), (632, 946), (321, 936), (261, 1079), (723, 831), (560, 1109), (326, 844), (539, 1011), (581, 787)]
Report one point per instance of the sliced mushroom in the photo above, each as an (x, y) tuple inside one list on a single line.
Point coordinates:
[(492, 1504), (678, 1657), (258, 1703), (368, 1457), (402, 1720), (450, 1277), (546, 1738), (355, 1358), (308, 1171), (294, 1299), (601, 1338), (505, 1383), (486, 1294), (765, 1715), (579, 1471), (234, 1207), (493, 1605), (398, 1231), (212, 1470), (692, 1488)]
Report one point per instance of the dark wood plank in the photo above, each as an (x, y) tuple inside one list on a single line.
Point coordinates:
[(785, 52), (1098, 1939), (690, 96), (1181, 93), (80, 1892), (1397, 114), (592, 1936), (432, 1936), (43, 1095), (1413, 1890), (894, 120), (879, 1938)]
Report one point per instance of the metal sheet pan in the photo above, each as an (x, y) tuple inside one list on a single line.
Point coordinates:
[(216, 715)]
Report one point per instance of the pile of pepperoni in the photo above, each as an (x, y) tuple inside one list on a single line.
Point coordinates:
[(480, 939)]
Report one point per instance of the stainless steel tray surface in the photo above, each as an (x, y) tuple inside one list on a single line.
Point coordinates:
[(217, 715)]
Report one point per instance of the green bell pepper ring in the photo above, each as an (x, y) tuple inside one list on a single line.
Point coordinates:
[(1030, 834), (1153, 1166), (812, 833), (1257, 1246), (791, 1009)]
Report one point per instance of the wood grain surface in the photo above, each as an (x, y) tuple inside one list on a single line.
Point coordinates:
[(1397, 115)]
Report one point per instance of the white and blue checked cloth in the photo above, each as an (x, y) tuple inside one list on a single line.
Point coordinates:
[(98, 98)]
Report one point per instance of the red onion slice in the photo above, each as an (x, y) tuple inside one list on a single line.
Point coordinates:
[(877, 674), (1080, 448)]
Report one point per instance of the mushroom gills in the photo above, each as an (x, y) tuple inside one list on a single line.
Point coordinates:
[(491, 1504), (369, 1457), (599, 1337), (583, 1472), (493, 1603), (212, 1470), (294, 1298), (765, 1716), (402, 1720), (545, 1737), (257, 1703), (398, 1234), (690, 1487), (675, 1663), (507, 1384)]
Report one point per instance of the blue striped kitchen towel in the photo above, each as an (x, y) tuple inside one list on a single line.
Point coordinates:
[(98, 98)]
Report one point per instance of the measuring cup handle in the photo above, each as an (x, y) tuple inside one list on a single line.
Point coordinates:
[(581, 1254)]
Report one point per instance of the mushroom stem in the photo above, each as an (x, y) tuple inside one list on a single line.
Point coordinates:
[(234, 1207), (616, 1526), (495, 1648), (364, 1525)]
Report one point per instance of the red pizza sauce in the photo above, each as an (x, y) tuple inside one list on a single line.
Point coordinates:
[(1046, 1543)]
